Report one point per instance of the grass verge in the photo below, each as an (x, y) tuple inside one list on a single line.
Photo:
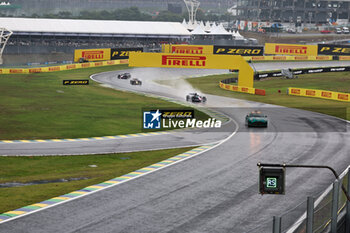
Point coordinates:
[(38, 106), (27, 169), (326, 81)]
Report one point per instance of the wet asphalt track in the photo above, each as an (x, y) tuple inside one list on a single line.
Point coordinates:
[(216, 191)]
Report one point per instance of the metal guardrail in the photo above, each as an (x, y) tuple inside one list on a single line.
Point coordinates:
[(329, 213)]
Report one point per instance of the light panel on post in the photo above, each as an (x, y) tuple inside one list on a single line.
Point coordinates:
[(271, 180)]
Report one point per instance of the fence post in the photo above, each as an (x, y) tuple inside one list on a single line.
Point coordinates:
[(276, 224), (309, 214), (335, 199), (347, 220)]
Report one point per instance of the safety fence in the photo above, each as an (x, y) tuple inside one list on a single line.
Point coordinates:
[(311, 70), (225, 84), (330, 212), (62, 67)]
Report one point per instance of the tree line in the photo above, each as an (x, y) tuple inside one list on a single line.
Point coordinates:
[(132, 14)]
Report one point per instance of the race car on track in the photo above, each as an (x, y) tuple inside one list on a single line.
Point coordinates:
[(256, 119), (195, 98), (135, 81), (124, 76)]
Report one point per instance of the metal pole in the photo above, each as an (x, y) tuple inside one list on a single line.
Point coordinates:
[(347, 217), (276, 224), (335, 199), (307, 166), (310, 214)]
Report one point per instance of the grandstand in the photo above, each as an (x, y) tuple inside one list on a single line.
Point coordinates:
[(47, 36)]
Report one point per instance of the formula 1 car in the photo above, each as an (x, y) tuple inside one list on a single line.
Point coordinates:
[(256, 119), (195, 98), (124, 76), (135, 81)]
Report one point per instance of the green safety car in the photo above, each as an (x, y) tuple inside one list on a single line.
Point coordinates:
[(256, 119)]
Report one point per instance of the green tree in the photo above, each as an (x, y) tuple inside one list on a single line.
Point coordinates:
[(168, 16)]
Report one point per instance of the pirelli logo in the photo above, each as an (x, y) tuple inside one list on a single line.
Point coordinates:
[(92, 55), (16, 71), (343, 96), (35, 70), (326, 94), (76, 82), (310, 93), (290, 49), (54, 68), (70, 66), (187, 49), (260, 58), (301, 58), (326, 58), (279, 58), (295, 91), (179, 61)]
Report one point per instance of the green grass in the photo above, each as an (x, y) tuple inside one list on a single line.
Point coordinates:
[(38, 106), (26, 169), (326, 81)]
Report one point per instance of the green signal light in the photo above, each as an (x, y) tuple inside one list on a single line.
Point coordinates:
[(271, 182)]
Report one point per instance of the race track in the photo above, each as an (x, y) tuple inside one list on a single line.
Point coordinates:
[(216, 191)]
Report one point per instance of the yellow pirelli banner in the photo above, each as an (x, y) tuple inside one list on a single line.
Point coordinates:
[(63, 67), (291, 58), (92, 54), (191, 49), (248, 90), (291, 49), (344, 58), (195, 61), (332, 95)]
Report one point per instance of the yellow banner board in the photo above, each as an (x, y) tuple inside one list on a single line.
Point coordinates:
[(62, 67), (291, 49), (249, 90), (92, 54), (291, 58), (194, 61), (191, 49), (344, 58), (339, 96)]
